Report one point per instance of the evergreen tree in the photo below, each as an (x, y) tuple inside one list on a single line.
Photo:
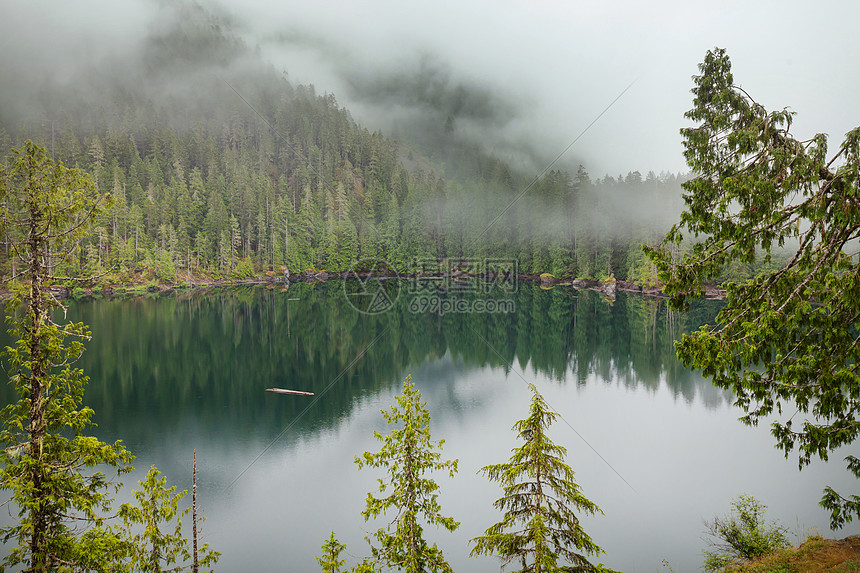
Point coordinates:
[(153, 549), (47, 462), (407, 454), (539, 527), (330, 559), (787, 337)]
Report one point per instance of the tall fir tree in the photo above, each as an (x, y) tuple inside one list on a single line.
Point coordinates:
[(539, 528), (52, 470), (407, 454)]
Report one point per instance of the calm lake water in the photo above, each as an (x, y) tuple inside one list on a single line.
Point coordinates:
[(652, 443)]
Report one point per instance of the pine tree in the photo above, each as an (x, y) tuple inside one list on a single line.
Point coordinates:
[(153, 549), (407, 454), (539, 527), (46, 462), (331, 550)]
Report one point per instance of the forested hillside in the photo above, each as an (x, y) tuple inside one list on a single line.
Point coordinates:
[(219, 166)]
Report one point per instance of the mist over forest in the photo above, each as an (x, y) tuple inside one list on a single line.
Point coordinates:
[(222, 164), (220, 143)]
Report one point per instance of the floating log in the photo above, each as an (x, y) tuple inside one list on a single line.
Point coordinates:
[(282, 391)]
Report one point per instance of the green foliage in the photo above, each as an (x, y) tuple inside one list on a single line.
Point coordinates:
[(641, 271), (48, 465), (152, 549), (364, 567), (744, 534), (786, 338), (51, 469), (244, 269), (539, 528), (165, 269), (407, 454), (331, 550)]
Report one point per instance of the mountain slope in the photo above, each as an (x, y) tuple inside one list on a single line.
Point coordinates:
[(220, 165)]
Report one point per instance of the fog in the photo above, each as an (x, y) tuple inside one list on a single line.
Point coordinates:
[(524, 79), (544, 70)]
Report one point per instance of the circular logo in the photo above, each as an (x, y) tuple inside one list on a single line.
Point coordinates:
[(371, 286)]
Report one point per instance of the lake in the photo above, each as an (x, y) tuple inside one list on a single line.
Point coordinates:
[(653, 444)]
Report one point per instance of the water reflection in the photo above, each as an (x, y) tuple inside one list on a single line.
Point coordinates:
[(165, 365), (213, 353), (173, 373)]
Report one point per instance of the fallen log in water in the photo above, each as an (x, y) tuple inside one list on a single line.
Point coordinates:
[(282, 391)]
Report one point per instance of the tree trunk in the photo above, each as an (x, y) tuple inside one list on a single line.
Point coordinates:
[(410, 505), (194, 563), (538, 511), (38, 514)]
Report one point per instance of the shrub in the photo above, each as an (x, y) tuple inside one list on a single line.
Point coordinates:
[(743, 535), (166, 270), (244, 269)]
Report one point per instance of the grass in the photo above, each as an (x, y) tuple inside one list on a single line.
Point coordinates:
[(815, 555)]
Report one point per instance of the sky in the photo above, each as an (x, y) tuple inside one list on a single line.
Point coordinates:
[(515, 75)]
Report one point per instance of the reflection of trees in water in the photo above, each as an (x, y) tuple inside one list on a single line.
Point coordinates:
[(154, 360)]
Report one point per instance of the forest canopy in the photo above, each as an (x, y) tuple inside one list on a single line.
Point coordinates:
[(219, 165)]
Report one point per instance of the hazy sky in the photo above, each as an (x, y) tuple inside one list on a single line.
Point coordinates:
[(518, 72)]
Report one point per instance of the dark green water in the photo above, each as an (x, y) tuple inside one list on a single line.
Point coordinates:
[(211, 353), (175, 373)]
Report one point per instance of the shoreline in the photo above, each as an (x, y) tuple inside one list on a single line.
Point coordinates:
[(191, 284)]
